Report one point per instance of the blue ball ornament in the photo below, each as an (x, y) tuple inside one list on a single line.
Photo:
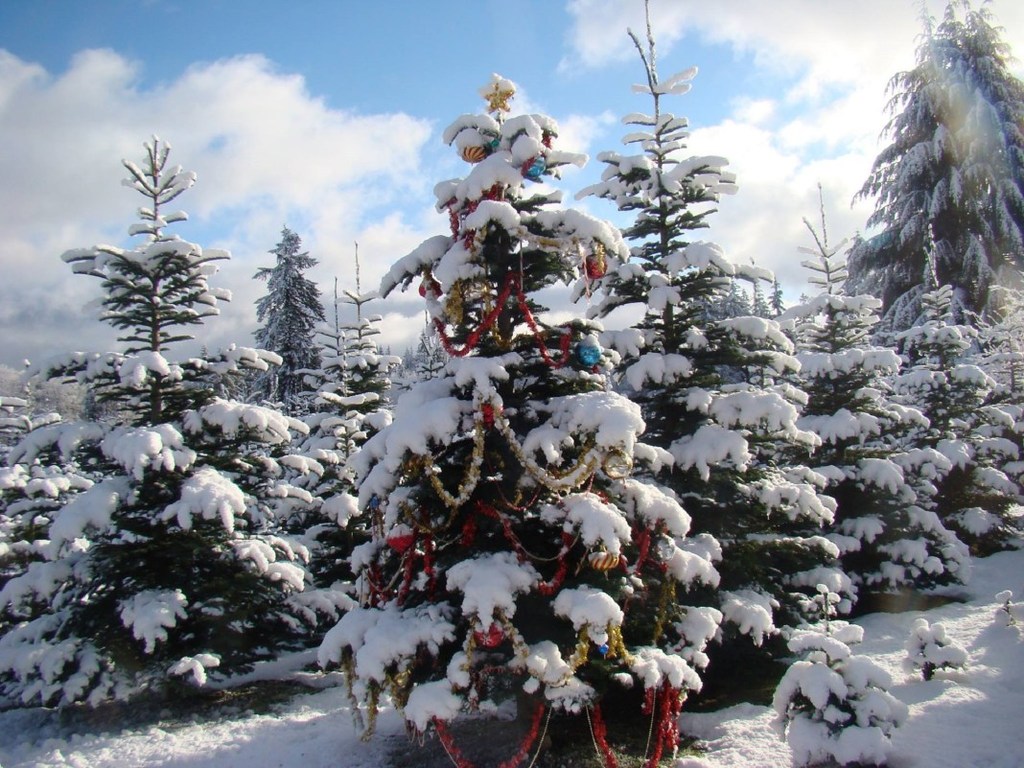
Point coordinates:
[(588, 354), (536, 168), (374, 503), (603, 649)]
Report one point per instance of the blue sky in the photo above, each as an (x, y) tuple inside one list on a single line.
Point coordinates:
[(327, 116)]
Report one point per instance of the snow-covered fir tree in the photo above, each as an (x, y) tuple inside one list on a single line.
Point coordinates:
[(930, 650), (950, 185), (834, 706), (290, 313), (1001, 339), (350, 406), (14, 420), (776, 302), (1002, 357), (974, 497), (154, 567), (514, 555), (889, 536), (430, 357), (708, 383), (760, 304)]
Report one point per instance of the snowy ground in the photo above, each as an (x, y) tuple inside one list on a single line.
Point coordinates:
[(971, 718)]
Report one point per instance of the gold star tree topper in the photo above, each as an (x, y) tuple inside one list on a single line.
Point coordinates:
[(497, 93)]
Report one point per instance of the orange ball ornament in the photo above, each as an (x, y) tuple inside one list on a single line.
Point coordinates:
[(473, 154)]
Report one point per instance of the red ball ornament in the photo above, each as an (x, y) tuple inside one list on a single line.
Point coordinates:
[(487, 414), (430, 286), (492, 638), (596, 266), (401, 539)]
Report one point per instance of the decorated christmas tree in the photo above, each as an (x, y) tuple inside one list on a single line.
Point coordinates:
[(514, 555)]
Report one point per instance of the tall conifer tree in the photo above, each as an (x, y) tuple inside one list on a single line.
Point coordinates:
[(160, 567), (949, 188), (708, 381), (290, 312)]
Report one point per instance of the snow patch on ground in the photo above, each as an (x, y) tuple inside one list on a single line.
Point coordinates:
[(957, 719)]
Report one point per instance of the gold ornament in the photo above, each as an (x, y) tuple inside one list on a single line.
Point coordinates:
[(499, 95), (603, 561), (617, 464)]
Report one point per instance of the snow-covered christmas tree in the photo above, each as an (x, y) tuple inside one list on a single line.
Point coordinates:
[(157, 565), (975, 497), (511, 542), (708, 382), (834, 706), (887, 533)]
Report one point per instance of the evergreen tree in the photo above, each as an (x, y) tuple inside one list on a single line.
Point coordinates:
[(776, 303), (290, 312), (974, 497), (1002, 345), (759, 303), (888, 535), (351, 406), (430, 357), (157, 568), (708, 382), (949, 188), (1002, 357), (834, 706), (512, 550)]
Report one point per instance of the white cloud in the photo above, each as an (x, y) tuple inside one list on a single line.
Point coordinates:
[(267, 154), (832, 63)]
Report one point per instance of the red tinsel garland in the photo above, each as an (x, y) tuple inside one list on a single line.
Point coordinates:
[(667, 726), (512, 283), (601, 738), (474, 337), (378, 592), (407, 574), (546, 588), (643, 544), (563, 344), (469, 531), (461, 761), (428, 564)]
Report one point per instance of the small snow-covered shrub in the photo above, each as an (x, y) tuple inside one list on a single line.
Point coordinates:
[(929, 649), (835, 705), (1008, 612)]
